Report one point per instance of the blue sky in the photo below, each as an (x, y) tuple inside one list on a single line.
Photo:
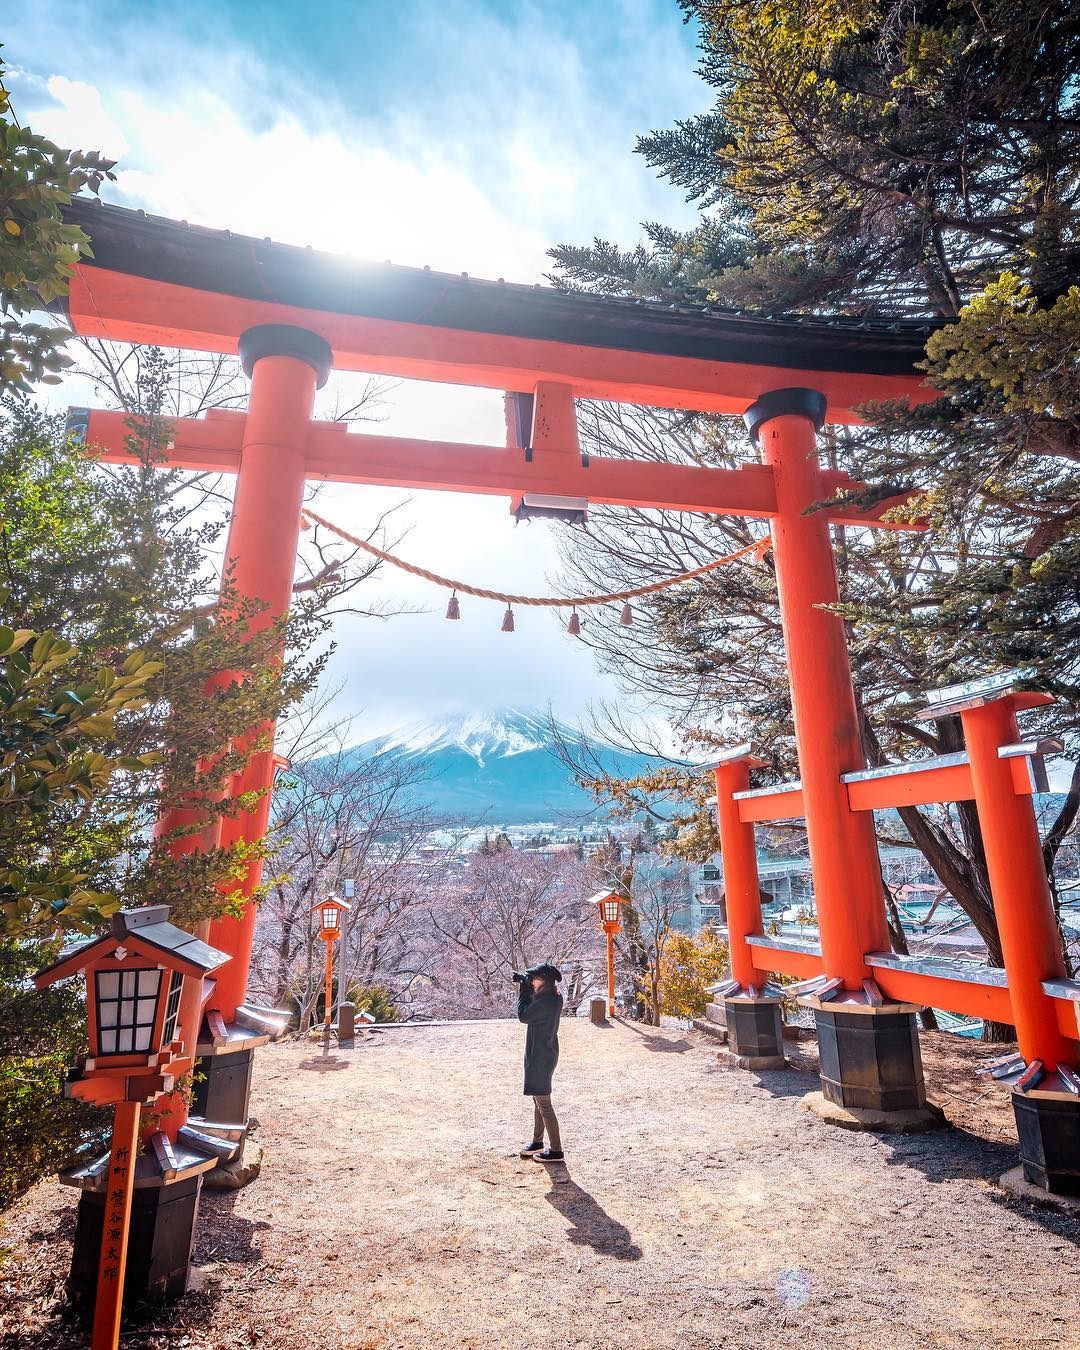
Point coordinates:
[(467, 135)]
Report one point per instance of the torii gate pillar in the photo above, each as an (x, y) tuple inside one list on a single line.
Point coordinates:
[(752, 1012), (285, 365), (869, 1055)]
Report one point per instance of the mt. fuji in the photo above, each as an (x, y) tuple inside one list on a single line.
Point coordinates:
[(499, 766)]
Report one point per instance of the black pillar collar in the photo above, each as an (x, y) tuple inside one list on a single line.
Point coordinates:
[(282, 339), (784, 403)]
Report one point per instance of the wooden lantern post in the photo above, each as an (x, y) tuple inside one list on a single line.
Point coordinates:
[(116, 1227), (330, 912), (609, 905), (137, 979)]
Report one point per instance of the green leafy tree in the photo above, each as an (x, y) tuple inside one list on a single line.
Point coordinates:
[(871, 158), (127, 685), (375, 999), (41, 1032), (109, 716), (688, 966), (113, 563), (57, 755), (38, 251)]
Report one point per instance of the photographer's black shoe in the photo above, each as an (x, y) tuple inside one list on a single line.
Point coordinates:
[(549, 1155), (531, 1150)]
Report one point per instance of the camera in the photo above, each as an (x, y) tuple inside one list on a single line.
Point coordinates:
[(519, 978)]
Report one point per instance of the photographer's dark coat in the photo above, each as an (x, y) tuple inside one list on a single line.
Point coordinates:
[(540, 1013)]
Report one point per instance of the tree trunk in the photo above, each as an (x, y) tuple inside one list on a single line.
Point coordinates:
[(927, 1018), (964, 875), (1051, 844), (639, 962)]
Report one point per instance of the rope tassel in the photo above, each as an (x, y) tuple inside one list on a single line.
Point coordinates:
[(508, 620), (574, 626), (626, 618), (453, 609)]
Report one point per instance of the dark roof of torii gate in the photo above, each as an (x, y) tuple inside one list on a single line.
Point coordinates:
[(272, 276)]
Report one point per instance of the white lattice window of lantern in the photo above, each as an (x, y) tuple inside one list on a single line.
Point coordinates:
[(331, 916), (127, 1006), (172, 1008)]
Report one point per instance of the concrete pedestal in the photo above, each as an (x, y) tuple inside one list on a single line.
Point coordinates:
[(1014, 1183), (223, 1085), (861, 1118), (1048, 1127), (159, 1249), (870, 1057), (755, 1028)]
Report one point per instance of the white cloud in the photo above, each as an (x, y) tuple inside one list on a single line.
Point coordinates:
[(519, 146), (80, 121)]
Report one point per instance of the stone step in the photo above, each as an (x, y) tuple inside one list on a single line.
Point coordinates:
[(267, 1021), (710, 1028), (225, 1150), (218, 1129), (716, 1012)]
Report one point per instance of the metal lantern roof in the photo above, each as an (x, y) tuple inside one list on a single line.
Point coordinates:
[(605, 901), (144, 932), (331, 901)]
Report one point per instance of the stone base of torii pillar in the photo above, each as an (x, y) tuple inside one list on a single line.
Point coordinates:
[(755, 1028)]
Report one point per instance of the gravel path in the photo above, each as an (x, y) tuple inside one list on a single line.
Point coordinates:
[(701, 1206)]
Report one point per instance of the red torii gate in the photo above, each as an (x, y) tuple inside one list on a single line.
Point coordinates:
[(293, 315)]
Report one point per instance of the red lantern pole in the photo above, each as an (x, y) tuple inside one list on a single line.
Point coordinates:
[(117, 1222), (607, 908), (329, 976)]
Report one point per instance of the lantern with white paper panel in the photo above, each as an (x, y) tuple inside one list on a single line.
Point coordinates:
[(330, 913), (609, 906), (137, 979)]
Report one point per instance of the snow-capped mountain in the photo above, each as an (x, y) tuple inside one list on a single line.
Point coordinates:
[(484, 736), (498, 767)]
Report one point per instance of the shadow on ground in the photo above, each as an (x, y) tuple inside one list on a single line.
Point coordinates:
[(233, 1239), (795, 1081), (659, 1043), (591, 1225), (187, 1321), (323, 1063)]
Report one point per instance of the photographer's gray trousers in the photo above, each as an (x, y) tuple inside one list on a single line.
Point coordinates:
[(544, 1117)]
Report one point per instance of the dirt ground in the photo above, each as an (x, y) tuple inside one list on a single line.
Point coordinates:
[(700, 1206)]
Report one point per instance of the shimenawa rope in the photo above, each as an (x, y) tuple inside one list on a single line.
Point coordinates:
[(758, 547)]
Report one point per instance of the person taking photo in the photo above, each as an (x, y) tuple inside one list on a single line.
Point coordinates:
[(540, 1006)]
